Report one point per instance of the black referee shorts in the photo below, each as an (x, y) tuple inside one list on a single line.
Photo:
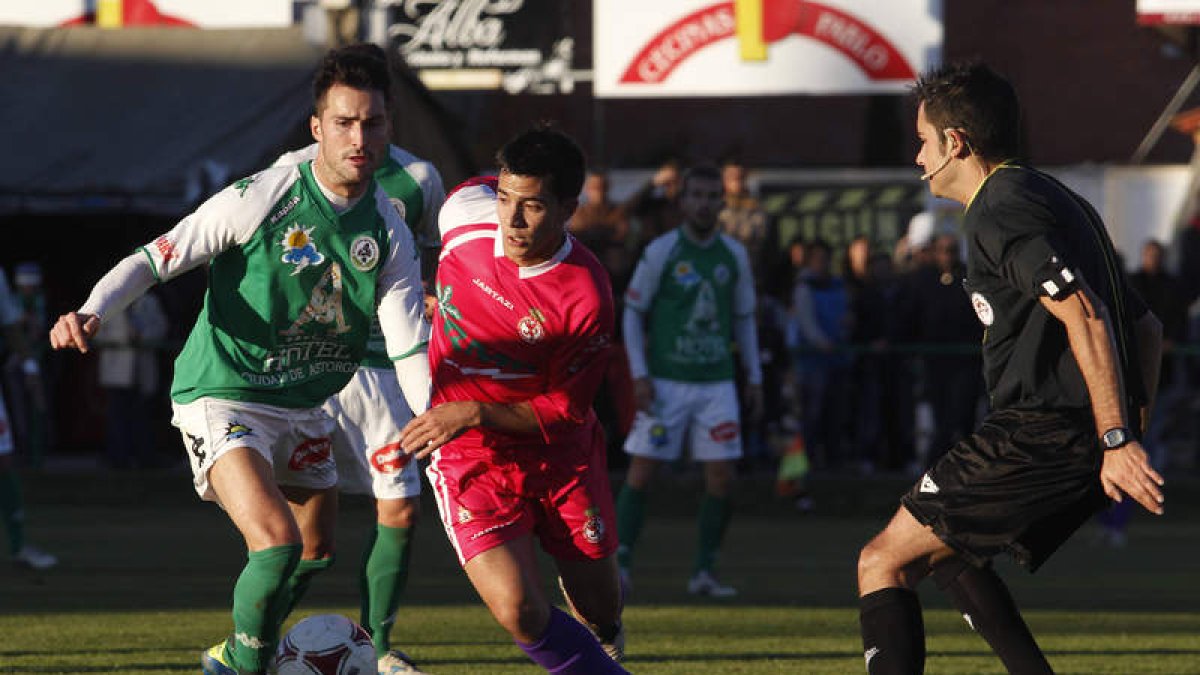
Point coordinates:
[(1022, 483)]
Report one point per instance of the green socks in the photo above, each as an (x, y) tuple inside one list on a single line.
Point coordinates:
[(11, 511), (297, 584), (259, 600), (384, 576), (631, 514), (713, 521)]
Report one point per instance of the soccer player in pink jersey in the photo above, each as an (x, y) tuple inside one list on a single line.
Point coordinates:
[(520, 343)]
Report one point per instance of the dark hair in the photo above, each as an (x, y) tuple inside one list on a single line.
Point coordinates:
[(707, 171), (547, 153), (361, 66), (973, 98)]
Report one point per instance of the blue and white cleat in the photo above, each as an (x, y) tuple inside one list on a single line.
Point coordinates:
[(397, 662), (212, 661)]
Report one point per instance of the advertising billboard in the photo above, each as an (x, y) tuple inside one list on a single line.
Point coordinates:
[(762, 47)]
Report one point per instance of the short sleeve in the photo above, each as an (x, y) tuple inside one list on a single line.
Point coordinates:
[(1021, 243)]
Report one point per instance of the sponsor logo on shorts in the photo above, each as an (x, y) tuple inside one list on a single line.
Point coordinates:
[(364, 253), (197, 448), (928, 486), (593, 529), (311, 452), (724, 432), (390, 458), (464, 514), (658, 435), (530, 327), (237, 430), (165, 248), (299, 249), (983, 309)]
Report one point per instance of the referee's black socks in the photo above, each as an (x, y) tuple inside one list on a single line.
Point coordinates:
[(988, 607), (893, 632)]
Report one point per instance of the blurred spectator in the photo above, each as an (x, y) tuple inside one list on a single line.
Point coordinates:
[(818, 332), (604, 228), (128, 372), (1164, 295), (947, 329), (343, 21), (913, 249), (880, 411), (654, 208), (28, 387), (744, 219), (12, 503)]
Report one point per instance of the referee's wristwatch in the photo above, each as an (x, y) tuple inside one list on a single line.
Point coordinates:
[(1115, 438)]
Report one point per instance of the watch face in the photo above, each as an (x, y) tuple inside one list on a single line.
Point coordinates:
[(1115, 438)]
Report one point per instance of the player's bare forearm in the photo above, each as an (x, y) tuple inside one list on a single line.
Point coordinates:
[(1090, 335), (442, 423), (1126, 469)]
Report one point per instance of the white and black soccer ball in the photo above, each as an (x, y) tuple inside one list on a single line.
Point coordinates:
[(326, 644)]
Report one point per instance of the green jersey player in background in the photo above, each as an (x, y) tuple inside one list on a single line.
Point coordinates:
[(370, 412), (691, 296), (299, 258)]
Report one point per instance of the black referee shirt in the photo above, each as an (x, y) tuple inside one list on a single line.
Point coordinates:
[(1028, 235)]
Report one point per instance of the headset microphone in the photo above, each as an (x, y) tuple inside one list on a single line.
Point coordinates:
[(931, 174)]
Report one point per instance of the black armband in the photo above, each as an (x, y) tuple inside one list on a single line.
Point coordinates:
[(1055, 280)]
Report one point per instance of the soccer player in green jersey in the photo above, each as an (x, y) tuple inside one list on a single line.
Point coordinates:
[(299, 259), (691, 297)]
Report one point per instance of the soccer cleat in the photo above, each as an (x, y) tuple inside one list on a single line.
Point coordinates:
[(212, 661), (34, 558), (703, 583), (397, 662)]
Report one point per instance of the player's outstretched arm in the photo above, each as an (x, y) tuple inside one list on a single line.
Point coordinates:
[(439, 425), (1125, 469), (73, 331)]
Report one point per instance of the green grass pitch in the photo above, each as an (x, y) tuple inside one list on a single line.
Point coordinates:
[(147, 571)]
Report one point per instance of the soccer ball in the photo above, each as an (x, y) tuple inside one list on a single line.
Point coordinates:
[(326, 644)]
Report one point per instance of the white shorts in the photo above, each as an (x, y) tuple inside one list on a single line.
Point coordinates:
[(6, 435), (705, 412), (369, 414), (295, 441)]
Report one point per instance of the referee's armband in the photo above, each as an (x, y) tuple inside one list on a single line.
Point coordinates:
[(1055, 280)]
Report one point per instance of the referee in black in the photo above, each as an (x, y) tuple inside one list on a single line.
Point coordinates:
[(1070, 356)]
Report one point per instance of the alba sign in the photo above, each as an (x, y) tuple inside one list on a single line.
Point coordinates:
[(762, 47)]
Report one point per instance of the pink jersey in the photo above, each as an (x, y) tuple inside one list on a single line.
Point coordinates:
[(505, 334)]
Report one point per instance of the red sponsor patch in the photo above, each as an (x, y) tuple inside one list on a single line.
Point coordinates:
[(311, 452), (165, 248), (724, 432), (390, 458)]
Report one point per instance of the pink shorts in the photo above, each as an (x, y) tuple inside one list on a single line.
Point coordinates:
[(487, 499)]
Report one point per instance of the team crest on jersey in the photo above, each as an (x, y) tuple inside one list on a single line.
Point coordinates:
[(983, 309), (364, 253), (593, 529), (685, 273), (299, 249), (398, 204), (531, 327), (721, 274)]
